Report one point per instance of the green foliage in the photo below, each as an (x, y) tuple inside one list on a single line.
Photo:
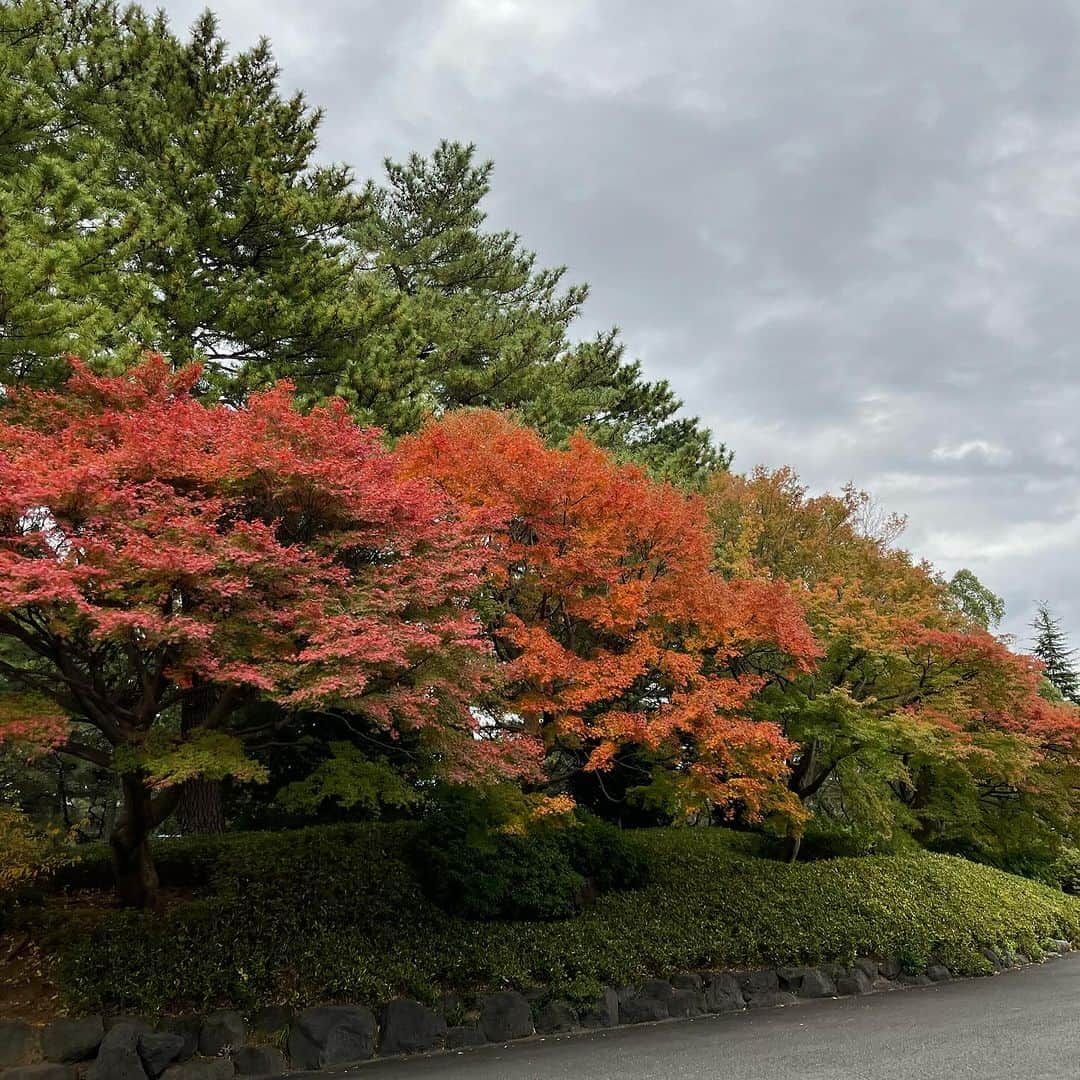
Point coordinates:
[(161, 193), (29, 854), (488, 328), (974, 600), (350, 779), (337, 912), (482, 856)]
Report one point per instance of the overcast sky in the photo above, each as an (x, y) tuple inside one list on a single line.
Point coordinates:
[(847, 232)]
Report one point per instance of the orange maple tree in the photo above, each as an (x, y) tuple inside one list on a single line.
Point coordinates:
[(611, 627), (912, 704)]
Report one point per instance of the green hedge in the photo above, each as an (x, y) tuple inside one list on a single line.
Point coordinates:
[(337, 913), (549, 870)]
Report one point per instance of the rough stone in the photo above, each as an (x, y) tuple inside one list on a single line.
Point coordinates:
[(816, 983), (890, 967), (639, 1008), (224, 1030), (761, 989), (464, 1035), (331, 1035), (791, 977), (686, 1002), (604, 1011), (188, 1027), (259, 1060), (938, 973), (765, 981), (1060, 945), (407, 1027), (769, 999), (219, 1068), (504, 1016), (723, 993), (833, 970), (688, 981), (70, 1039), (914, 980), (19, 1043), (993, 957), (118, 1056), (272, 1018), (159, 1049), (46, 1070), (870, 968), (855, 981), (881, 983), (555, 1017), (141, 1022)]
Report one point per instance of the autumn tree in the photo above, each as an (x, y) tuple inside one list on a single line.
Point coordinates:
[(152, 547), (917, 716), (611, 629)]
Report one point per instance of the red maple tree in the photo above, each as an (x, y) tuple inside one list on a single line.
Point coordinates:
[(612, 630), (152, 546)]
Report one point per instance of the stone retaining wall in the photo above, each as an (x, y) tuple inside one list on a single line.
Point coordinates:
[(274, 1040)]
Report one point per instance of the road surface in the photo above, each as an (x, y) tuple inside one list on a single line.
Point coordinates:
[(1020, 1025)]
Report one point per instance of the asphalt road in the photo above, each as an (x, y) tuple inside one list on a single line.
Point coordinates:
[(1020, 1025)]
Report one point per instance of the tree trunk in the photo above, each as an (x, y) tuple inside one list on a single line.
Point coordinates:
[(201, 808), (202, 805), (133, 867), (794, 844)]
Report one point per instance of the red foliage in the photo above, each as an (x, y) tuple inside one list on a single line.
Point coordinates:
[(148, 541), (612, 628)]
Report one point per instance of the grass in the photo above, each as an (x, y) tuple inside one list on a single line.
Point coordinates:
[(335, 913)]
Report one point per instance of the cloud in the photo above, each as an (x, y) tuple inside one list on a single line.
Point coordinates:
[(848, 233)]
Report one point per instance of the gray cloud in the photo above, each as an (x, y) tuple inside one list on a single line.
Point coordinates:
[(847, 232)]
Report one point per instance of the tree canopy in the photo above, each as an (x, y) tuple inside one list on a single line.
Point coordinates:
[(150, 545)]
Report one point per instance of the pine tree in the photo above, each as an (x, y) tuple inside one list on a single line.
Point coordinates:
[(160, 194), (493, 330), (1052, 648)]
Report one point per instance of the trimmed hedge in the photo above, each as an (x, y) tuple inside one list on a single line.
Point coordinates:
[(548, 871), (337, 913)]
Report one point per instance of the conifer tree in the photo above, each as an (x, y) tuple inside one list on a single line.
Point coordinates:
[(1052, 648), (160, 194), (493, 330)]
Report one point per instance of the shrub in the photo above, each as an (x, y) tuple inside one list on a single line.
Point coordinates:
[(337, 913), (29, 854), (482, 856)]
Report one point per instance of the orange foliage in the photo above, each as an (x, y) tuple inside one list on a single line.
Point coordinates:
[(612, 628)]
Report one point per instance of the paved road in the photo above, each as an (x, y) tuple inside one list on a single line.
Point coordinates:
[(1020, 1025)]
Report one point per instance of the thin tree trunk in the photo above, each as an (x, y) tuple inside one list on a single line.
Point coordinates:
[(794, 844), (133, 867)]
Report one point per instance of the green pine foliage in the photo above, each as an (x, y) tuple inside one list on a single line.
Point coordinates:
[(159, 193), (1052, 648)]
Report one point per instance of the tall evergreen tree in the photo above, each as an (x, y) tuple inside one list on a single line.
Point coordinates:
[(161, 194), (1052, 648)]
